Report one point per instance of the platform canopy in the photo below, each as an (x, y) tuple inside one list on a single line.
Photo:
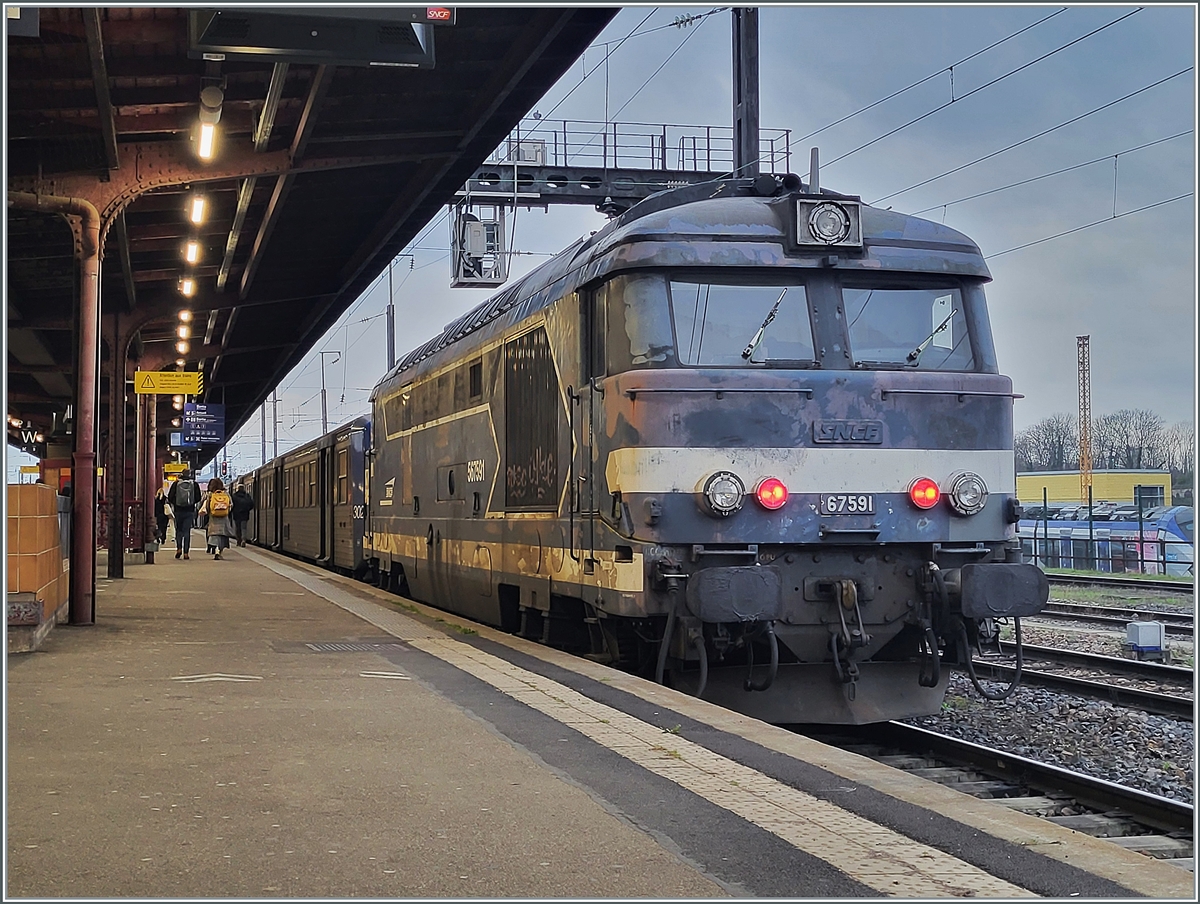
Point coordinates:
[(339, 134)]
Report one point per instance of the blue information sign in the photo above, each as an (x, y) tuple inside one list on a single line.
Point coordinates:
[(203, 423)]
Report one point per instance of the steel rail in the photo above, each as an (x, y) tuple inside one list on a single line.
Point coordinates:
[(1127, 668), (1116, 624), (1146, 701), (1129, 583), (1153, 810), (1071, 607)]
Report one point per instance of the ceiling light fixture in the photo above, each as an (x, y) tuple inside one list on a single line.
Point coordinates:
[(187, 287), (211, 99), (182, 331), (185, 315), (191, 252), (182, 347), (196, 211)]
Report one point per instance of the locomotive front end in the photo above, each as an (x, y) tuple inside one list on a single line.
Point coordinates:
[(798, 422)]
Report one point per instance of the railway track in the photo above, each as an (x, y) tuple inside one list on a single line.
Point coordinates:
[(1081, 580), (1177, 624), (1111, 665), (1154, 702), (1156, 826)]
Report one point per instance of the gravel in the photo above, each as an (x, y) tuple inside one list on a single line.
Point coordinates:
[(1152, 753)]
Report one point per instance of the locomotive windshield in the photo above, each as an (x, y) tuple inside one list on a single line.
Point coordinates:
[(715, 324), (912, 328)]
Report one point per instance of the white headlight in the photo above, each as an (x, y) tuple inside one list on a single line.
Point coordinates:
[(967, 493), (829, 223), (724, 492)]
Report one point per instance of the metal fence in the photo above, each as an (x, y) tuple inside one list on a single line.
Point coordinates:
[(637, 145), (1114, 556)]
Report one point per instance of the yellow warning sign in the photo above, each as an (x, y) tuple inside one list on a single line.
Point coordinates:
[(175, 467), (31, 469), (166, 382)]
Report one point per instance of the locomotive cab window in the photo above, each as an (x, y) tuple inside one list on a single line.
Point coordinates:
[(728, 325), (908, 327)]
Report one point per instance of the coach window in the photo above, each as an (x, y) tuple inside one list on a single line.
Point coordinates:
[(343, 476), (312, 483)]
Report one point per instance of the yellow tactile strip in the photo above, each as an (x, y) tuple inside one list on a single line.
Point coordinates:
[(884, 860)]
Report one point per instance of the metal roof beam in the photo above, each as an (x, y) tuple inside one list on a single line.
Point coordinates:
[(262, 137), (91, 24), (126, 263), (322, 79)]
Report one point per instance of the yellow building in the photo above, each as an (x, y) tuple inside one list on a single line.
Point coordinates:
[(1107, 486)]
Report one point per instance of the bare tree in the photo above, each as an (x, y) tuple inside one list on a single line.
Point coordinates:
[(1051, 444), (1129, 438), (1179, 448)]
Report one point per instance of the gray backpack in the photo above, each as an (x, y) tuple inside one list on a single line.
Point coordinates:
[(185, 494)]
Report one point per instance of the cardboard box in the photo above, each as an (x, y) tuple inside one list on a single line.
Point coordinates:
[(14, 500)]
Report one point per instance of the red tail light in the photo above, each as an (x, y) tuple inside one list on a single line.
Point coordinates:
[(924, 493), (772, 493)]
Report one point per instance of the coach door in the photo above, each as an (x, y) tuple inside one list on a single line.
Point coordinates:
[(589, 402)]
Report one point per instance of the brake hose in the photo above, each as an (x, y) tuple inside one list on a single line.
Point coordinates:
[(1004, 695)]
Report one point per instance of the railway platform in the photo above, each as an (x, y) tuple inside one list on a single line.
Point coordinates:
[(261, 728)]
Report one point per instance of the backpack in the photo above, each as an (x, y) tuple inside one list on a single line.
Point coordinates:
[(219, 504), (185, 494)]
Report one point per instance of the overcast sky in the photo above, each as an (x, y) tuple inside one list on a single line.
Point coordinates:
[(1128, 281)]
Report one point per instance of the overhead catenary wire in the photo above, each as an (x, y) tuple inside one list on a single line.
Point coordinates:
[(1040, 134), (985, 85), (1058, 172), (929, 77), (1107, 219)]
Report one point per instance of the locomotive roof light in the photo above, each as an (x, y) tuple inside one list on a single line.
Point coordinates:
[(967, 493), (829, 223), (772, 493), (924, 492), (724, 492)]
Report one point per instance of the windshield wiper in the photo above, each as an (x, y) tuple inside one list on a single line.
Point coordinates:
[(749, 349), (915, 355)]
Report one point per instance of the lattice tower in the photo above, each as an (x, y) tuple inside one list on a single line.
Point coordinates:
[(1085, 415)]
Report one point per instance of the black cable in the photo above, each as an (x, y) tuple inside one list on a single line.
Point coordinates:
[(1016, 681), (922, 81), (1033, 137), (992, 191), (1090, 225), (981, 87)]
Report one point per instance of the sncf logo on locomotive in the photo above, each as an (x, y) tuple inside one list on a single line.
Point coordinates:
[(860, 432)]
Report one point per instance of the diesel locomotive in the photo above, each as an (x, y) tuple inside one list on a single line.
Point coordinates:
[(749, 439)]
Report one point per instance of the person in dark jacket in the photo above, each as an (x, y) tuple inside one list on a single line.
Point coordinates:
[(243, 505), (161, 516), (183, 505)]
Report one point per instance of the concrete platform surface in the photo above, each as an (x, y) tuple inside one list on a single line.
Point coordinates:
[(259, 728)]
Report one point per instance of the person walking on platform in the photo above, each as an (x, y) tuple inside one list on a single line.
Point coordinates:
[(183, 498), (161, 515), (243, 505), (218, 505)]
